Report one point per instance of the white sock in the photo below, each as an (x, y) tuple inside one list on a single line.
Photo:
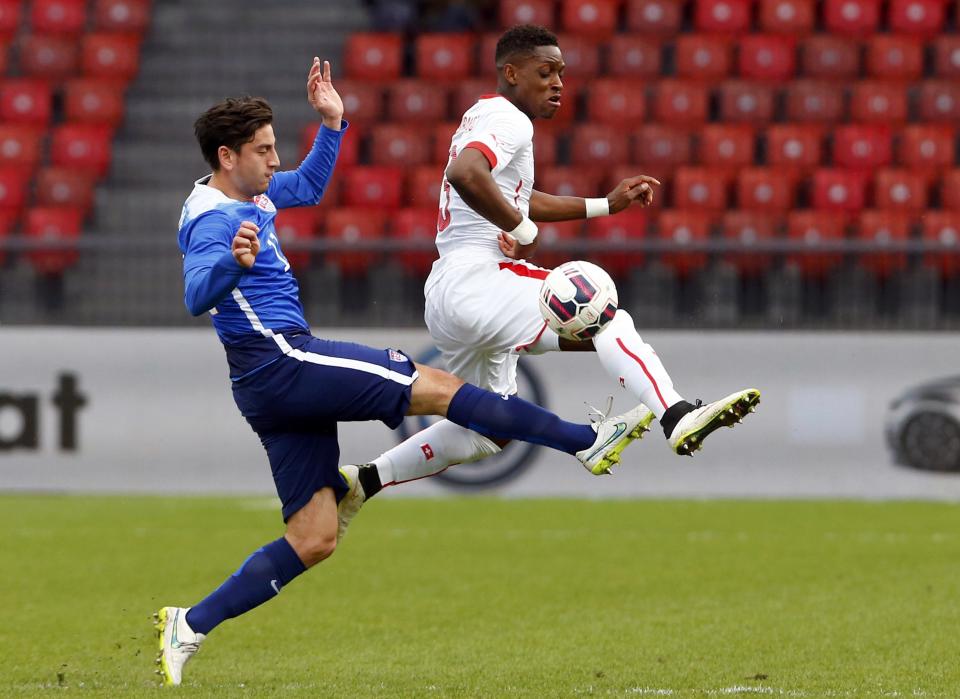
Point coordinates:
[(633, 363), (432, 450)]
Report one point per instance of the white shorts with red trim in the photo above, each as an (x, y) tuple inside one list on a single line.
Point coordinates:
[(483, 316)]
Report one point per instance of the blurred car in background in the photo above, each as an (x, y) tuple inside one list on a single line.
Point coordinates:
[(923, 426)]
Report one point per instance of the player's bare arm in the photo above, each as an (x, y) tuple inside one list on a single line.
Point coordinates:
[(322, 96), (469, 174), (549, 207), (246, 244)]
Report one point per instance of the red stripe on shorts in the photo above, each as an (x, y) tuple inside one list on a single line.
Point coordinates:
[(644, 367), (524, 270)]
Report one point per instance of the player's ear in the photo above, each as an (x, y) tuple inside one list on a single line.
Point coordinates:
[(227, 158), (510, 73)]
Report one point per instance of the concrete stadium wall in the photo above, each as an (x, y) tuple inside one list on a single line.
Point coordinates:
[(151, 411)]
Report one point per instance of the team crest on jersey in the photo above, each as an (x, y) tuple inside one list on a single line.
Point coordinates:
[(263, 202), (397, 356)]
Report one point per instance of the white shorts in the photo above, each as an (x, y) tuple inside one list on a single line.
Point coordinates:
[(482, 316)]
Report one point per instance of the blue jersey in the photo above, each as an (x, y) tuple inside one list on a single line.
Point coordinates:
[(251, 308)]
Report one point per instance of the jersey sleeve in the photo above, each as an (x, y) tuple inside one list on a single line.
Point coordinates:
[(500, 137), (305, 185), (209, 271)]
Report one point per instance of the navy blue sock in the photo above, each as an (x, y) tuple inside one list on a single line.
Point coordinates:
[(514, 418), (258, 579)]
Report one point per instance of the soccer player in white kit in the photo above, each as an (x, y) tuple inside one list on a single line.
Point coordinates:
[(482, 306)]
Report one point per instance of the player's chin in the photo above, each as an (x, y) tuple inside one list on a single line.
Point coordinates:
[(549, 109)]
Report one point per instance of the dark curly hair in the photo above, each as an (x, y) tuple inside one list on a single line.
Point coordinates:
[(230, 123), (522, 40)]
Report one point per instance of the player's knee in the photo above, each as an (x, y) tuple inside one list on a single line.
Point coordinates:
[(432, 392), (316, 547)]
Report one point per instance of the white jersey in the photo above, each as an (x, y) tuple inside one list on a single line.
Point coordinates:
[(504, 134)]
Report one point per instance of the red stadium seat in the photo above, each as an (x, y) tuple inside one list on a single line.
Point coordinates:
[(54, 224), (442, 138), (350, 226), (362, 101), (795, 147), (795, 17), (659, 18), (900, 189), (10, 13), (423, 186), (895, 57), (616, 101), (488, 66), (624, 227), (839, 190), (68, 17), (416, 100), (928, 147), (765, 189), (122, 16), (946, 53), (680, 102), (553, 234), (876, 101), (950, 190), (93, 101), (700, 188), (829, 57), (633, 56), (921, 17), (940, 101), (293, 226), (57, 186), (49, 56), (84, 147), (746, 102), (598, 144), (112, 56), (863, 147), (683, 228), (14, 187), (813, 228), (526, 12), (721, 16), (768, 57), (373, 186), (814, 101), (727, 145), (4, 58), (943, 229), (466, 93), (26, 101), (592, 17), (853, 18), (661, 148), (569, 182), (349, 144), (20, 145), (373, 56), (700, 57), (749, 228), (883, 228), (445, 57), (545, 147), (581, 55), (419, 225), (399, 144)]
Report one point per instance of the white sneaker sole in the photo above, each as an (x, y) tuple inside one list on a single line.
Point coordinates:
[(726, 412)]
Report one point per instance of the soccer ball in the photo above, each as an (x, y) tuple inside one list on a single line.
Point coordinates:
[(577, 300)]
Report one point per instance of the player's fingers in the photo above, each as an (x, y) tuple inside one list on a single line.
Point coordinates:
[(326, 71), (250, 227), (641, 179)]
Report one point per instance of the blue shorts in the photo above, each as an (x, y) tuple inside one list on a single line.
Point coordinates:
[(295, 403)]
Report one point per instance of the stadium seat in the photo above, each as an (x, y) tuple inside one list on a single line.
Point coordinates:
[(895, 57), (362, 101), (727, 145), (20, 145), (765, 189), (416, 225), (423, 186), (373, 186), (373, 56), (10, 13), (26, 101), (66, 17), (680, 102), (700, 188), (703, 57), (769, 57), (883, 228), (597, 144), (877, 101), (122, 16), (349, 144), (946, 56), (293, 226), (812, 228), (110, 56), (920, 17), (749, 228), (55, 224), (417, 101), (814, 101), (940, 101), (93, 101), (896, 188), (442, 138), (552, 235), (57, 186), (746, 102), (659, 18), (624, 227), (49, 56), (950, 190), (721, 16), (402, 145), (661, 148), (487, 67), (4, 55), (569, 181), (83, 147), (928, 147), (862, 146), (14, 187), (581, 55), (351, 225), (839, 190), (633, 56), (616, 101), (942, 228), (526, 12), (467, 92), (795, 147), (794, 17), (445, 57), (829, 57), (682, 228), (591, 17), (851, 18)]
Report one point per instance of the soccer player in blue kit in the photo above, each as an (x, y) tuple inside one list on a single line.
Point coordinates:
[(293, 388)]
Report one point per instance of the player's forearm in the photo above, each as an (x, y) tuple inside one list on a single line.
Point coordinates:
[(305, 185), (480, 193), (549, 207), (205, 287)]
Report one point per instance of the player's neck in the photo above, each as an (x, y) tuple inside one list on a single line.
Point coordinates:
[(220, 181)]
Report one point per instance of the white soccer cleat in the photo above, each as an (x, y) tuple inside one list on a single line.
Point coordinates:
[(178, 643), (613, 436), (351, 503), (690, 431)]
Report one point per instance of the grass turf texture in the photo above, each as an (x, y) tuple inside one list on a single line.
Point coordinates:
[(490, 598)]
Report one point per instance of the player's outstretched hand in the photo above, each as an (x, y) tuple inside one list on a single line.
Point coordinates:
[(246, 244), (321, 95), (633, 189)]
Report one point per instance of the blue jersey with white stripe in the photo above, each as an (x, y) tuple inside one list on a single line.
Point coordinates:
[(250, 308)]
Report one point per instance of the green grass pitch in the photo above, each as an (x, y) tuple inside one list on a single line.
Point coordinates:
[(478, 597)]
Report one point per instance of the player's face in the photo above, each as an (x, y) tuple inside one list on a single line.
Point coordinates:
[(539, 82), (256, 163)]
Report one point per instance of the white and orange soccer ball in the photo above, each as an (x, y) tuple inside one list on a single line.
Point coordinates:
[(578, 299)]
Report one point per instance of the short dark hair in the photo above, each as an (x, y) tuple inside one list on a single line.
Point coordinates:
[(522, 39), (230, 123)]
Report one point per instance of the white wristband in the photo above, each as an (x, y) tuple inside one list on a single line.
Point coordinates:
[(525, 232), (597, 207)]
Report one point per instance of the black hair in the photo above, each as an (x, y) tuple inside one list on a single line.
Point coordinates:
[(230, 123), (522, 39)]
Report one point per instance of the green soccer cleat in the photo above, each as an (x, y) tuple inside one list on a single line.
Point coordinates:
[(613, 436), (689, 433), (178, 643)]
